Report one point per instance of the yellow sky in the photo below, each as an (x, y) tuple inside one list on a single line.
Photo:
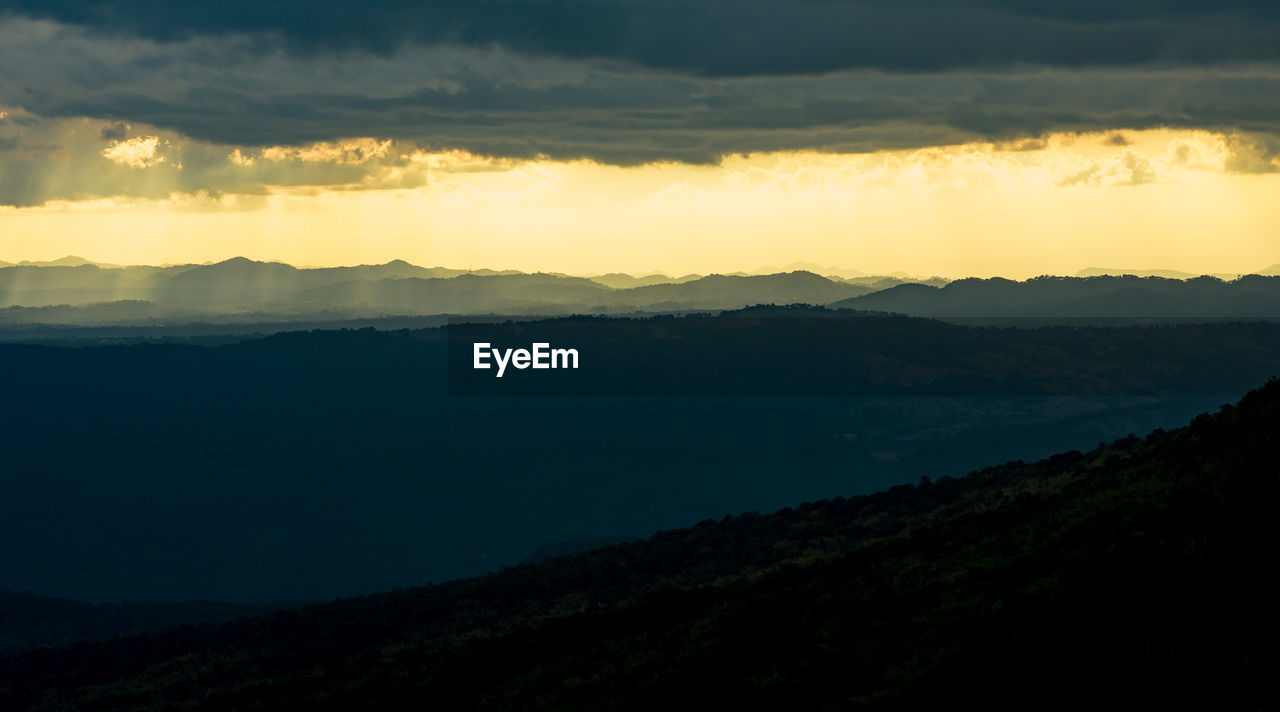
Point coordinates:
[(1192, 201)]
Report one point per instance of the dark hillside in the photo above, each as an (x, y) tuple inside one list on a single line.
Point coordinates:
[(1136, 574), (28, 621), (312, 465)]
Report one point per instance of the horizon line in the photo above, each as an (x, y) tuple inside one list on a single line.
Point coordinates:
[(828, 271)]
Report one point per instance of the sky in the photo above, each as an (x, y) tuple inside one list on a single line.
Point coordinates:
[(979, 137)]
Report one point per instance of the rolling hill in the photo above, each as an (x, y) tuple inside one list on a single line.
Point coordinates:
[(1137, 574), (310, 465), (28, 621)]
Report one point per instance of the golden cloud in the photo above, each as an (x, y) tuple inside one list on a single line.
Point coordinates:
[(348, 151), (136, 152)]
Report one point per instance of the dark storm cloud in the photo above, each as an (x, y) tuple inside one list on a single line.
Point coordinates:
[(115, 132), (731, 37), (618, 82), (628, 118)]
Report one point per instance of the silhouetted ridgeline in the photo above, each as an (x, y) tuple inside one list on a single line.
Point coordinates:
[(552, 549), (86, 294), (1125, 296), (151, 294), (1137, 575)]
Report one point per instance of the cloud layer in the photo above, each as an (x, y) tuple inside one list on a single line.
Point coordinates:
[(191, 95), (729, 37)]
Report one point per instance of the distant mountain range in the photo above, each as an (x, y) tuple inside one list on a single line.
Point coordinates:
[(75, 291), (68, 261), (619, 280), (1272, 271), (399, 288), (1129, 296), (1166, 273)]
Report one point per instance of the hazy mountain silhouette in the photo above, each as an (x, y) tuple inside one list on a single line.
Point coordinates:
[(31, 285), (1166, 273), (825, 270), (880, 283), (462, 294), (234, 283), (395, 288), (1137, 574), (124, 311), (1132, 296), (239, 285), (733, 292), (619, 280), (68, 261)]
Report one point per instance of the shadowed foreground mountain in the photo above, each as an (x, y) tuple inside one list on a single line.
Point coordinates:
[(311, 465), (1137, 574), (28, 622)]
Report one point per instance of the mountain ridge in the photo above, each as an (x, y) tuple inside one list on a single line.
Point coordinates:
[(241, 285), (1127, 296)]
